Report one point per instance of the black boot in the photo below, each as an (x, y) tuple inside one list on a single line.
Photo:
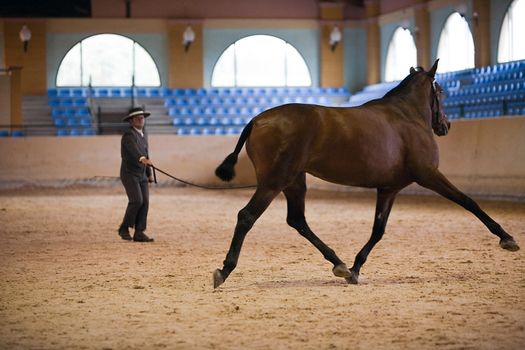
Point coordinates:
[(123, 232), (140, 236)]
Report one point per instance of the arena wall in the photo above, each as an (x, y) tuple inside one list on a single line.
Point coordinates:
[(481, 157)]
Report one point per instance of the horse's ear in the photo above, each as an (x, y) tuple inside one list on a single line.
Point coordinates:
[(432, 71), (412, 70)]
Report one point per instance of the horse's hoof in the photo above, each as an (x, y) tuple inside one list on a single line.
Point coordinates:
[(509, 244), (341, 271), (353, 279), (217, 278)]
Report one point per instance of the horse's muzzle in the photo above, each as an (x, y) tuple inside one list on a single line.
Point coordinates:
[(442, 129)]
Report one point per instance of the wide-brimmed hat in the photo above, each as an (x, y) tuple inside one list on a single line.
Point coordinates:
[(134, 112)]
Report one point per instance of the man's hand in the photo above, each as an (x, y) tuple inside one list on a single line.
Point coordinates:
[(151, 179), (146, 161)]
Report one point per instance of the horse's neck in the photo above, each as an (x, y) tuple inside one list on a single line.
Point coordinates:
[(414, 104)]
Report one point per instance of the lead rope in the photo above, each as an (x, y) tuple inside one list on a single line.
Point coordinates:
[(197, 185)]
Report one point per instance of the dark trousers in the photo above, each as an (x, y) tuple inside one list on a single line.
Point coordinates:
[(138, 202)]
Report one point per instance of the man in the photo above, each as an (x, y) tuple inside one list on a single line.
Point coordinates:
[(135, 173)]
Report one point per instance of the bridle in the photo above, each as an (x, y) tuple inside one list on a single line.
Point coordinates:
[(435, 108), (435, 104)]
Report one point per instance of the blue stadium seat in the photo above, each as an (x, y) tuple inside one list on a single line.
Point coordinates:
[(182, 131), (225, 121), (17, 133), (66, 102), (72, 122), (232, 131), (101, 92), (62, 132), (126, 92), (56, 112), (178, 121), (177, 92), (4, 133), (190, 92), (59, 122), (64, 92), (213, 121), (201, 92), (153, 92), (115, 92), (78, 92), (195, 131), (220, 131), (85, 121), (54, 102)]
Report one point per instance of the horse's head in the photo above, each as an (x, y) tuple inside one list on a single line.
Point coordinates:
[(440, 123)]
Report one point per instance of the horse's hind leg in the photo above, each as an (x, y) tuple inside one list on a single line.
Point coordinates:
[(295, 196), (437, 182), (245, 220), (385, 200)]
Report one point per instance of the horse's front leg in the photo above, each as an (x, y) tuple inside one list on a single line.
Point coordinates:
[(245, 220), (433, 179), (385, 200)]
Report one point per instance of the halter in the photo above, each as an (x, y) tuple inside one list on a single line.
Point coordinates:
[(435, 101)]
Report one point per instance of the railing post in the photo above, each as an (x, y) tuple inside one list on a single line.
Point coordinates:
[(99, 120)]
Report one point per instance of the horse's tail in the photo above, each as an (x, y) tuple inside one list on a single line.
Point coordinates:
[(225, 171)]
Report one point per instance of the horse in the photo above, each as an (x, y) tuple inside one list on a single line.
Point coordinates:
[(385, 144)]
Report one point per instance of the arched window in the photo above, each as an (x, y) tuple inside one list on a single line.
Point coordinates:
[(511, 48), (456, 47), (261, 60), (107, 60), (401, 55)]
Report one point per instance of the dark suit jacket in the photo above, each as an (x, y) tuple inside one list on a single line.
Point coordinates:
[(133, 146)]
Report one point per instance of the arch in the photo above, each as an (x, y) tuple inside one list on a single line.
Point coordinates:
[(456, 45), (107, 60), (260, 60), (510, 47), (401, 55)]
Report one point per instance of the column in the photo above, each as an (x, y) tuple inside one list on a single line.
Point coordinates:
[(372, 42), (421, 34), (16, 95), (332, 67), (186, 68), (480, 26)]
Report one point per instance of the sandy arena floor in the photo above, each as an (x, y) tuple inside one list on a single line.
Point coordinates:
[(437, 280)]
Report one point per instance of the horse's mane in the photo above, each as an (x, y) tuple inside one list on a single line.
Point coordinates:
[(404, 82)]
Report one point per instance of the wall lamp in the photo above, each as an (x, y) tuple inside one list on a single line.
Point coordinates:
[(188, 37), (25, 36), (335, 38)]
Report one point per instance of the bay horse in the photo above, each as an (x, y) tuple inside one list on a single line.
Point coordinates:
[(385, 144)]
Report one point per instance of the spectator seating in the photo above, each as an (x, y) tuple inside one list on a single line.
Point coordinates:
[(473, 93), (13, 133), (225, 111), (70, 111)]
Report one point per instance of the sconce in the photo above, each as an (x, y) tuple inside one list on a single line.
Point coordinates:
[(335, 38), (188, 37), (25, 36)]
